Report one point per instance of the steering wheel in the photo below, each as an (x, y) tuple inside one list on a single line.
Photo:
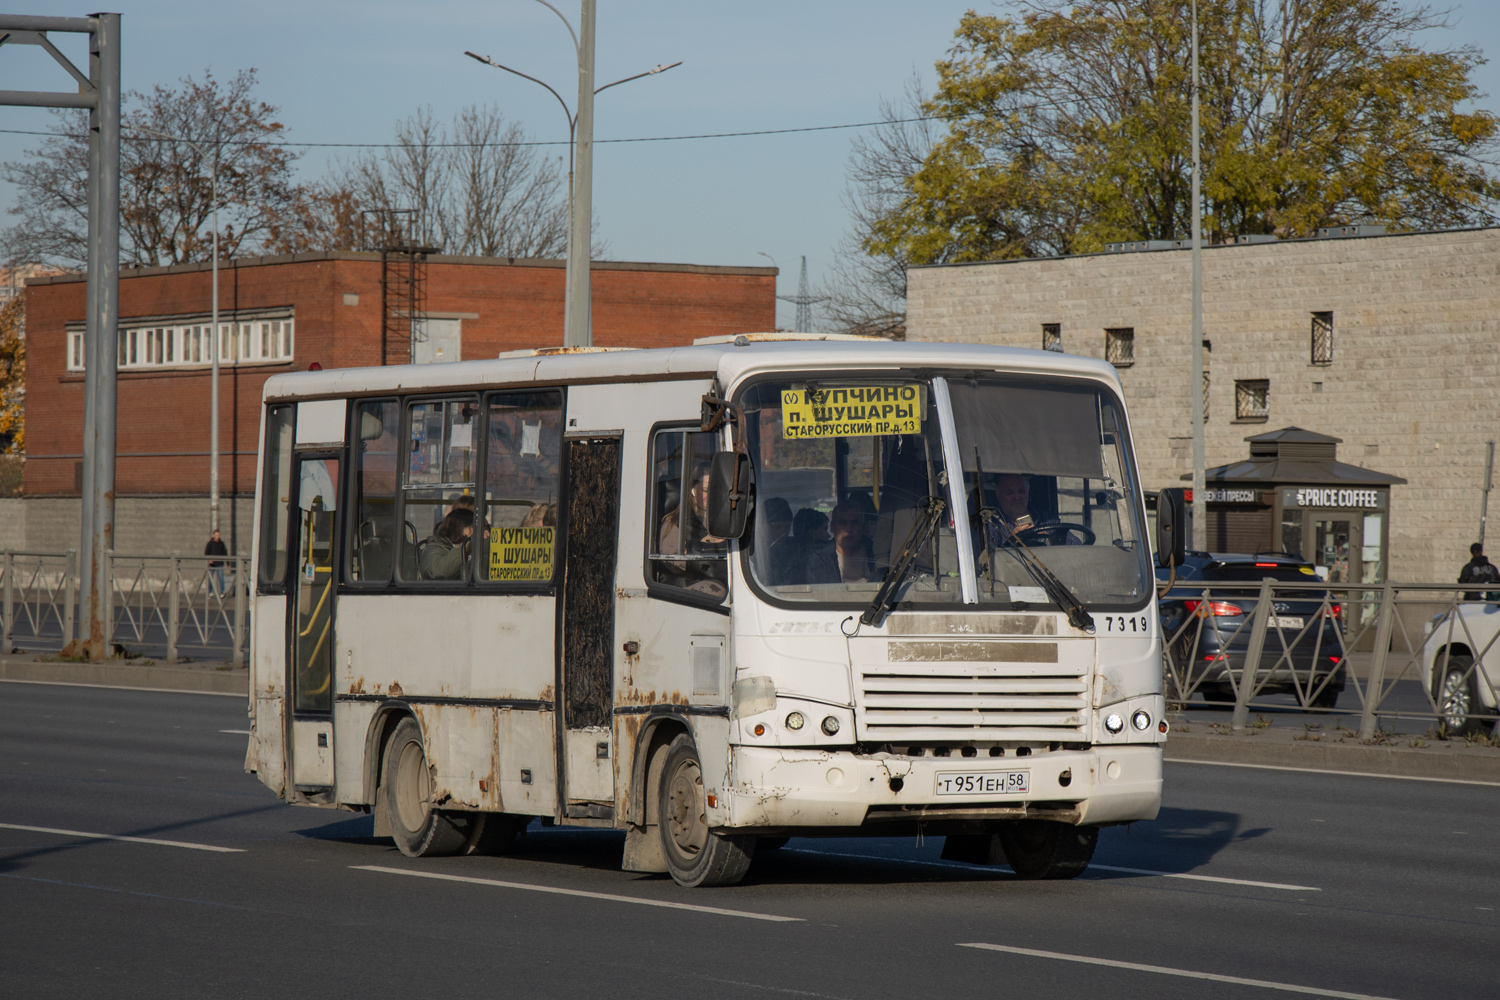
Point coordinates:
[(1055, 533)]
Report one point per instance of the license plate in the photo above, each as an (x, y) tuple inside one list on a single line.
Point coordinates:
[(983, 782), (1286, 622)]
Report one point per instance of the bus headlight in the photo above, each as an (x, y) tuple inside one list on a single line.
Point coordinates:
[(1141, 720), (830, 726), (795, 721), (1114, 723)]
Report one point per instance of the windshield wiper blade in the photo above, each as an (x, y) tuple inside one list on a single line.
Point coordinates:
[(906, 558), (1078, 615)]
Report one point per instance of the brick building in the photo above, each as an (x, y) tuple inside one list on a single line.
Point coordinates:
[(1386, 342), (286, 313)]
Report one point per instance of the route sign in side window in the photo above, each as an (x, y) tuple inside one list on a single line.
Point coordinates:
[(681, 552), (437, 490), (372, 549), (275, 494), (523, 451)]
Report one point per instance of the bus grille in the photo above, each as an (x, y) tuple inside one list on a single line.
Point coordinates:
[(968, 702)]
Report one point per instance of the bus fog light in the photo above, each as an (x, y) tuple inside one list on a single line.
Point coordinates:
[(1141, 720), (1114, 723), (795, 721), (830, 725), (760, 730)]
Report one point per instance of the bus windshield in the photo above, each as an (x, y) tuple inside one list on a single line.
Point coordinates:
[(845, 467)]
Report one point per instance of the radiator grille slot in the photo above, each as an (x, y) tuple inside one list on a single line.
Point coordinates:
[(968, 701)]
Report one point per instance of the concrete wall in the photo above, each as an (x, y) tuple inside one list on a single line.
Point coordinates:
[(143, 525), (1413, 390)]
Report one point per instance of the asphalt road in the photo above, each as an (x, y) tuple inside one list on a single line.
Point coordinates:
[(1349, 885)]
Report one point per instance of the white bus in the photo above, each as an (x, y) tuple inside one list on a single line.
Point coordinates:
[(712, 596)]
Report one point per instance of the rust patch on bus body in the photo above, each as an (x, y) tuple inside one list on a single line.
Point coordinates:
[(358, 687), (971, 652), (395, 689)]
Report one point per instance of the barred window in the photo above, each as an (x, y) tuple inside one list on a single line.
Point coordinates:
[(189, 345), (1322, 338), (1052, 337), (1205, 395), (1119, 346), (1252, 399)]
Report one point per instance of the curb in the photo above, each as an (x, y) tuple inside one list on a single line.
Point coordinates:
[(1439, 760), (127, 675)]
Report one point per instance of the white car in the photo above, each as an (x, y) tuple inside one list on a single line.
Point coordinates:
[(1462, 661)]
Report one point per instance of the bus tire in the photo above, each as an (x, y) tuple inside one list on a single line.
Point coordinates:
[(419, 830), (1045, 849), (695, 855)]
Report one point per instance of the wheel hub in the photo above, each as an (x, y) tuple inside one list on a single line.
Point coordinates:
[(1455, 700), (685, 820), (411, 786)]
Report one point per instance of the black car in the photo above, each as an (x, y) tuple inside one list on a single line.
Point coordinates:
[(1206, 641)]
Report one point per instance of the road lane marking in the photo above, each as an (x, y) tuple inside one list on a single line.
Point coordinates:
[(129, 840), (637, 900), (237, 732), (1184, 973), (1324, 770), (990, 869), (123, 687), (1207, 878)]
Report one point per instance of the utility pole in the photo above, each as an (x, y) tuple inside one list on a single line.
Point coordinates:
[(804, 300), (1489, 479), (1200, 515), (578, 328)]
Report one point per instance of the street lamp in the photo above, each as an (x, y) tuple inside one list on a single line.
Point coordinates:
[(213, 340), (577, 328)]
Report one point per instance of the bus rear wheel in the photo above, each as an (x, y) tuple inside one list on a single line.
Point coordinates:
[(418, 829), (1045, 849), (695, 855)]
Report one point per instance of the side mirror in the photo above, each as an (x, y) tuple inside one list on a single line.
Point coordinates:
[(1171, 526), (729, 494)]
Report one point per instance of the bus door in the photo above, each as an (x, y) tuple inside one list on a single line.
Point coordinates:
[(313, 534), (586, 626)]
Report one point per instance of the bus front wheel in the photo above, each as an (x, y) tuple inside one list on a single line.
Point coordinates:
[(418, 829), (1039, 848), (695, 855)]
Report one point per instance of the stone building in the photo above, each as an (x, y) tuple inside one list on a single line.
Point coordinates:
[(286, 313), (1389, 343)]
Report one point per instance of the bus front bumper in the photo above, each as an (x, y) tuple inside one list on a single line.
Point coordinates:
[(775, 789)]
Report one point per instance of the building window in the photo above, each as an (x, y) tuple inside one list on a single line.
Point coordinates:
[(1052, 337), (189, 346), (1252, 399), (1322, 338), (1119, 346)]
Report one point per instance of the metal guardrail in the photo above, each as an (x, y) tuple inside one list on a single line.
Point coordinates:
[(173, 601), (1238, 659)]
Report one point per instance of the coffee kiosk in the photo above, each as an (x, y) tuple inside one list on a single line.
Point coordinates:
[(1293, 495)]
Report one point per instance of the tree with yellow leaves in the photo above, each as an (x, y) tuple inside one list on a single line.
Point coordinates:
[(12, 378), (1067, 127)]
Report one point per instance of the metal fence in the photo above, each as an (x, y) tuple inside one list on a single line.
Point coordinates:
[(176, 604), (1309, 640)]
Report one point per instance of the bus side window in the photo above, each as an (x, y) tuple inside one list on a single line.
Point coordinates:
[(275, 494), (523, 451), (373, 546), (678, 516), (437, 491)]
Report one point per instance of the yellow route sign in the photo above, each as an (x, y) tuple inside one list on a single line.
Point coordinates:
[(851, 411), (522, 553)]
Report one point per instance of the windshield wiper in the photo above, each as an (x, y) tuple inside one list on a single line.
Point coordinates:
[(1078, 615), (906, 558)]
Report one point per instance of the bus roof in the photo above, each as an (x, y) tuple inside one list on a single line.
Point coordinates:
[(730, 362)]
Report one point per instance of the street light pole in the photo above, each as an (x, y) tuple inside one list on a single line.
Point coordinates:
[(1200, 516), (214, 337), (577, 318)]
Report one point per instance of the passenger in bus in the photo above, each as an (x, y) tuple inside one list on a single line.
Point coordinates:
[(774, 538), (445, 553), (850, 559), (465, 502), (542, 515), (708, 576), (1015, 524)]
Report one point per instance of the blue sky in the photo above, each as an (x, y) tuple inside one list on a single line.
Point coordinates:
[(344, 72)]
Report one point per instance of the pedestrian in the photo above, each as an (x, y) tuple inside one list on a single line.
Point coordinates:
[(1479, 570), (215, 547)]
